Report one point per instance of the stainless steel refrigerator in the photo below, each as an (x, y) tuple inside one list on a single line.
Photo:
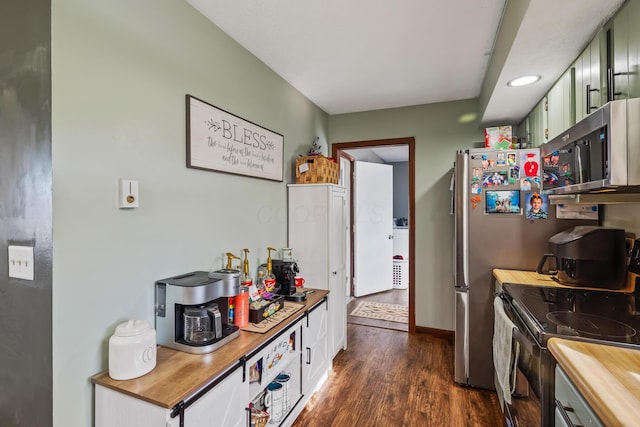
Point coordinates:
[(493, 194)]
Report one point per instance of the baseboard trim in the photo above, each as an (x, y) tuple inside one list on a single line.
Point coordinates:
[(440, 333)]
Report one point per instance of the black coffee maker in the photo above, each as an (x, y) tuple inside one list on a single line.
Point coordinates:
[(588, 256), (286, 272)]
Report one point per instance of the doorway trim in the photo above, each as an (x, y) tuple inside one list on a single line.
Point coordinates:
[(337, 151)]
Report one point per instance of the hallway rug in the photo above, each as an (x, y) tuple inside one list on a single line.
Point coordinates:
[(381, 311)]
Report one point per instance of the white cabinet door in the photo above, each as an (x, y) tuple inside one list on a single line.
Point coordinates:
[(315, 354), (338, 272), (118, 409), (308, 232), (318, 236), (223, 406)]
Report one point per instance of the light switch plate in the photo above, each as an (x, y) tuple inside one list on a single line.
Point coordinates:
[(21, 263)]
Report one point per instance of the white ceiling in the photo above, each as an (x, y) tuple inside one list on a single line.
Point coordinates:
[(360, 55)]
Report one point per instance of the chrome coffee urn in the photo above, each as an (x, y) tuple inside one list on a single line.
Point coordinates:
[(192, 310)]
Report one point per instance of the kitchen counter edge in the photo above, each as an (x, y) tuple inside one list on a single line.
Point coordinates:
[(178, 375), (606, 376), (522, 277)]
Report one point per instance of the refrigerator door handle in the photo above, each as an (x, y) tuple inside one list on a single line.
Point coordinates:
[(461, 353), (461, 219)]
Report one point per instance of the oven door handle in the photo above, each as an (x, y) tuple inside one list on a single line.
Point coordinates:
[(526, 344)]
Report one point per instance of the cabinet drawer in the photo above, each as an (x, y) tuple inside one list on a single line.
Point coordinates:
[(573, 404)]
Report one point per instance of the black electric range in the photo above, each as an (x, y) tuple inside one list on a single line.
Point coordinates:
[(591, 315), (542, 312)]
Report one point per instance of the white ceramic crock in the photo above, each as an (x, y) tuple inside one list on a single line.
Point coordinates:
[(132, 350)]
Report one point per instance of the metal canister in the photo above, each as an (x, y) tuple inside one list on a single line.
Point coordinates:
[(242, 307)]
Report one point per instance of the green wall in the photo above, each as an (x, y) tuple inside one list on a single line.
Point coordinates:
[(25, 212), (438, 134), (121, 70)]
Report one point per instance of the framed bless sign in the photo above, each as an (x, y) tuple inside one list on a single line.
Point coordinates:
[(221, 141)]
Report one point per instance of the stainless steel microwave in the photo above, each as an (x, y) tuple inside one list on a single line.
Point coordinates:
[(599, 154)]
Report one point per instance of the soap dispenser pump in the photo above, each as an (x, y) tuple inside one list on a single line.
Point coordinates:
[(231, 257), (246, 277), (229, 275), (269, 278)]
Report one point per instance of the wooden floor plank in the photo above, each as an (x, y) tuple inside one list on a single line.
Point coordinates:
[(392, 378)]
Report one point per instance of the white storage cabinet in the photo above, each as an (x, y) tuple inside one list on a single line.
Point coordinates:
[(300, 350), (318, 237), (223, 405)]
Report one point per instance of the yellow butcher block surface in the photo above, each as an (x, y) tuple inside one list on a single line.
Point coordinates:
[(607, 376), (522, 277)]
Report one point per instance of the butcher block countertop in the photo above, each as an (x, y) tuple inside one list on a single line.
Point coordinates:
[(178, 375), (532, 278), (607, 376)]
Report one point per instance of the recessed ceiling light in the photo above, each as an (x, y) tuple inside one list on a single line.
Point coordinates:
[(523, 81)]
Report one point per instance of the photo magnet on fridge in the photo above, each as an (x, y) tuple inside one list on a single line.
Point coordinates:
[(477, 174), (529, 183), (530, 162), (502, 202), (514, 174), (536, 205)]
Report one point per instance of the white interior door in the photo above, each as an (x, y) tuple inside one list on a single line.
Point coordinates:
[(345, 181), (373, 210)]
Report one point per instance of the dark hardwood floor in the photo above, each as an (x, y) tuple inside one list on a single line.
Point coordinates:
[(389, 378), (394, 296)]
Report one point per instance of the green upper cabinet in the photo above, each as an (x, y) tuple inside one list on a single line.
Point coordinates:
[(618, 74), (625, 52), (632, 10), (578, 90), (538, 133), (590, 90), (560, 105), (522, 130), (607, 69)]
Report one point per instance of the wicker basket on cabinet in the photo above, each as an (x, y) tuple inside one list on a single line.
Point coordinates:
[(317, 170)]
